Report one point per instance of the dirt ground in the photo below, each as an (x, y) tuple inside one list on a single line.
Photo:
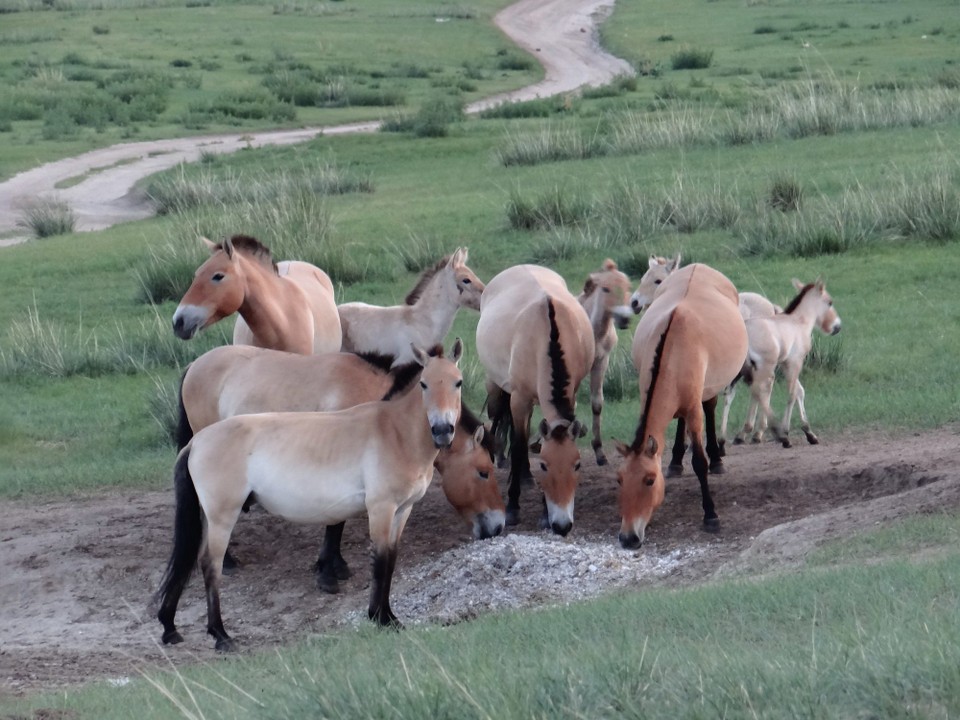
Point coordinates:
[(77, 576)]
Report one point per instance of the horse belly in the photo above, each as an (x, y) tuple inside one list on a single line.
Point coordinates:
[(307, 494)]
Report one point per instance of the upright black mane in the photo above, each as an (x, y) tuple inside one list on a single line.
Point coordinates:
[(560, 376), (641, 434), (794, 304), (252, 247), (425, 277), (404, 375)]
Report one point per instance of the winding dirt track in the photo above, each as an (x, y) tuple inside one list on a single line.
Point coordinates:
[(561, 34)]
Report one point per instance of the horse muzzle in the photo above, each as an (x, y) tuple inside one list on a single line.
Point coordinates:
[(488, 524), (630, 541), (442, 435), (622, 315), (188, 320)]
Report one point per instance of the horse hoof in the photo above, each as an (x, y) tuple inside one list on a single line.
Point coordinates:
[(738, 440), (328, 584), (711, 525), (172, 638), (717, 468), (813, 439), (226, 645), (513, 517), (785, 442), (601, 459), (674, 470), (756, 440)]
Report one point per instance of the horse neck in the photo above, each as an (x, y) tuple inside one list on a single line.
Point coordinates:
[(804, 316), (408, 416), (437, 305), (601, 319), (265, 304)]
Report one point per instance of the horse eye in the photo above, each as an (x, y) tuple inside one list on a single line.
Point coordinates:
[(657, 282), (648, 481), (543, 466), (619, 480), (458, 384), (606, 290), (577, 466), (217, 277), (423, 385), (483, 474), (466, 281)]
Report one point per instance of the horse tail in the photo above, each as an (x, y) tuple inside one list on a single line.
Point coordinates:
[(183, 433), (501, 421), (187, 535)]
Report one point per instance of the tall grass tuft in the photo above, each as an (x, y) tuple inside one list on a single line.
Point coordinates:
[(620, 382), (557, 207), (420, 252), (785, 193), (46, 218), (164, 406), (826, 355), (565, 243), (549, 143), (691, 59), (36, 347)]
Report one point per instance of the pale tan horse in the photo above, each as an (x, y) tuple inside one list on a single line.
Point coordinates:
[(688, 346), (235, 380), (285, 306), (605, 297), (313, 468), (423, 320), (658, 269), (536, 345), (784, 340)]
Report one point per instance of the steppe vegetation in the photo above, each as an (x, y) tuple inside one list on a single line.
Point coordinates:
[(769, 139)]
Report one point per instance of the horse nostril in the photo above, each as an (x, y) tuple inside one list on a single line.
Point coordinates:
[(630, 541), (561, 528)]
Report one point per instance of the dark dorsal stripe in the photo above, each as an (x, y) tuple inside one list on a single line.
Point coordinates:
[(470, 422), (560, 376), (380, 361), (798, 299), (252, 247), (641, 435), (425, 279), (404, 375)]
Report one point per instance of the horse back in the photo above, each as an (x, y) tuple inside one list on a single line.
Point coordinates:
[(317, 289)]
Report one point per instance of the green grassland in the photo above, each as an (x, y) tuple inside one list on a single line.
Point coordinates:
[(87, 366)]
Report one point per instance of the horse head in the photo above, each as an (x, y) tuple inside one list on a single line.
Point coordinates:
[(657, 271), (470, 484), (607, 293), (440, 385), (559, 472), (217, 291), (816, 293), (469, 286), (641, 490)]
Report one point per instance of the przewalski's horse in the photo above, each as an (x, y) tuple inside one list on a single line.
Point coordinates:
[(785, 339), (688, 346), (235, 380), (605, 296), (310, 467), (285, 306), (657, 271), (425, 318), (536, 345)]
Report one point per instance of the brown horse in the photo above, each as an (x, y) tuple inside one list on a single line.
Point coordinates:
[(286, 306), (688, 346), (310, 467), (605, 297), (423, 320), (536, 344), (784, 340), (234, 380)]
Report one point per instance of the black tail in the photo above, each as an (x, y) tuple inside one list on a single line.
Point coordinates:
[(187, 538), (183, 432), (501, 421)]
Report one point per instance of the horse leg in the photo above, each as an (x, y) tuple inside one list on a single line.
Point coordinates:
[(385, 530), (729, 393), (711, 523), (766, 392), (713, 447), (521, 411), (792, 373), (330, 567), (675, 468), (498, 404), (211, 563), (804, 423), (230, 563), (597, 373)]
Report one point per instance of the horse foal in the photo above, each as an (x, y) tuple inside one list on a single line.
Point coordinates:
[(310, 467)]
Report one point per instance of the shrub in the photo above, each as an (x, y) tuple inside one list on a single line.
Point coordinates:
[(541, 107), (785, 194), (557, 207), (46, 218), (691, 59)]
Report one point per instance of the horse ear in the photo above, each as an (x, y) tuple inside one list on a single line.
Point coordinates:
[(609, 264), (211, 245), (797, 284), (227, 246), (544, 428), (577, 429), (651, 449), (478, 434), (674, 264), (818, 284), (621, 448), (654, 261), (457, 352), (459, 257), (420, 355)]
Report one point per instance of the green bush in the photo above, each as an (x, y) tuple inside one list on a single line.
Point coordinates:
[(691, 59), (46, 218)]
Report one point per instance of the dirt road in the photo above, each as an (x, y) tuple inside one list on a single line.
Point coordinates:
[(561, 35)]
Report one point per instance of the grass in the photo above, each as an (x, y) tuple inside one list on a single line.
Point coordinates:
[(45, 218)]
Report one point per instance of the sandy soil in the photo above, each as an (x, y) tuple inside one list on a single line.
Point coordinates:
[(77, 576), (561, 34)]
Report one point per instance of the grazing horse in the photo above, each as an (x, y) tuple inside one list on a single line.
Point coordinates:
[(688, 346), (286, 306), (235, 380), (784, 340), (536, 345), (425, 318), (605, 296), (310, 467)]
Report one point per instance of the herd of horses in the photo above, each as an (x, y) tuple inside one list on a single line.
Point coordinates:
[(321, 413)]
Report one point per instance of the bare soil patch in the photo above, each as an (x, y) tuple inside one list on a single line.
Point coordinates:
[(76, 576)]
